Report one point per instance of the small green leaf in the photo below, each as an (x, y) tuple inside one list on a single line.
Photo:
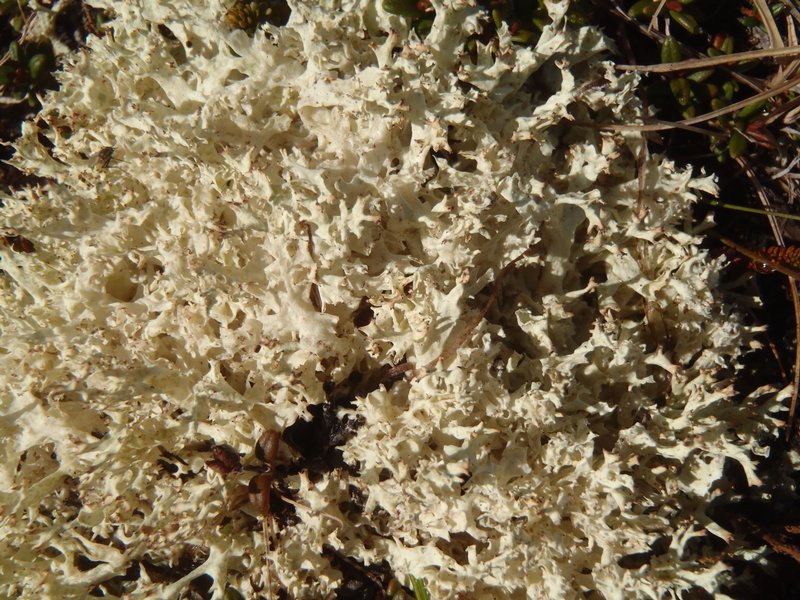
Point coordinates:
[(700, 76), (404, 8), (38, 65), (681, 90), (6, 71), (727, 44), (497, 19), (232, 593), (523, 36), (540, 23), (17, 22), (670, 50), (13, 51), (577, 18), (751, 109), (420, 592), (729, 88), (719, 104), (737, 145), (643, 8), (423, 27), (685, 20)]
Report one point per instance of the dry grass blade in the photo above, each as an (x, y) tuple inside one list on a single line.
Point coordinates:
[(769, 23), (787, 111), (787, 70), (662, 126), (713, 61), (267, 538), (792, 9), (791, 40), (654, 20), (791, 31), (654, 125), (790, 116)]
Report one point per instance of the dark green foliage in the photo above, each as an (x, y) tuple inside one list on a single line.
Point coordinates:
[(26, 66), (700, 28)]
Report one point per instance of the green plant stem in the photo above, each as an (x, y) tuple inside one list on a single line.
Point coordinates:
[(756, 211)]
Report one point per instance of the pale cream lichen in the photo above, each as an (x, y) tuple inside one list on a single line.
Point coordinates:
[(200, 286)]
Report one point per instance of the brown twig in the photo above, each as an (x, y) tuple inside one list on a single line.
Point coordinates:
[(762, 258)]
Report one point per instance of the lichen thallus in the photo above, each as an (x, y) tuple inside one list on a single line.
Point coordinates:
[(396, 372), (261, 485)]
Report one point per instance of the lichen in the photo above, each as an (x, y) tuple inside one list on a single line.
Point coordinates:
[(209, 277)]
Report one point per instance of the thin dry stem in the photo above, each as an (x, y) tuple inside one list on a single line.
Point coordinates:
[(787, 111), (704, 63), (653, 125), (769, 23), (792, 9), (654, 20), (662, 126), (791, 39)]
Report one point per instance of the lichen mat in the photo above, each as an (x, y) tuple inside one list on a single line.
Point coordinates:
[(286, 217)]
